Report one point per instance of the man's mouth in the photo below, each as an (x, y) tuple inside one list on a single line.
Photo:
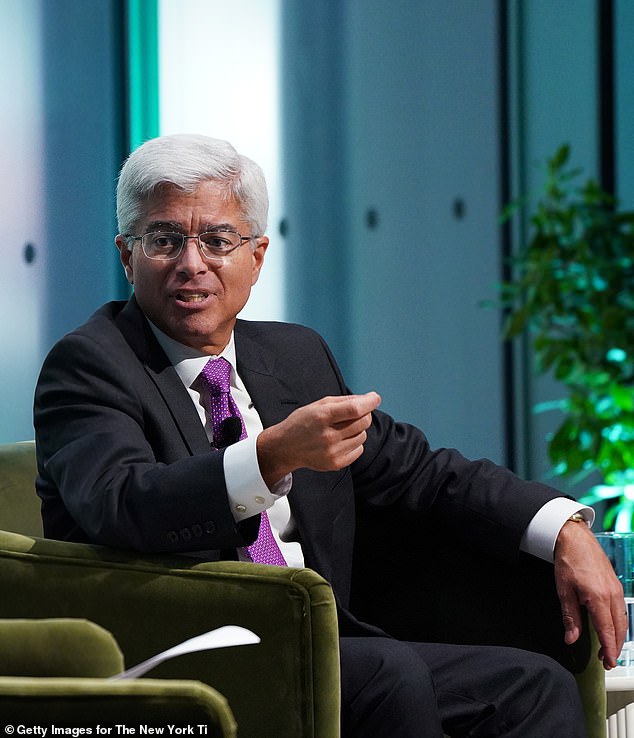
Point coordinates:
[(192, 296)]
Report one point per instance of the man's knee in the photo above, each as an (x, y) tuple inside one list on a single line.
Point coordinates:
[(375, 660), (553, 678), (386, 687), (553, 702)]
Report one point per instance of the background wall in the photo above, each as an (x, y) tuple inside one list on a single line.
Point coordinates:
[(553, 59), (406, 132), (61, 143), (392, 160), (22, 196), (405, 127)]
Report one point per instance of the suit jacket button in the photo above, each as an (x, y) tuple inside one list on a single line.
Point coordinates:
[(186, 534), (210, 527), (172, 536), (197, 530)]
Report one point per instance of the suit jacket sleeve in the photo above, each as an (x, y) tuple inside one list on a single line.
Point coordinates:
[(400, 480), (117, 463)]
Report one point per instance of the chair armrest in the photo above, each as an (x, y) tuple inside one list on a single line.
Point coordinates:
[(57, 647), (68, 702), (288, 683), (20, 508), (591, 684)]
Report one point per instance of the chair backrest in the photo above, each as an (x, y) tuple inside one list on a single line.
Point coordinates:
[(19, 505)]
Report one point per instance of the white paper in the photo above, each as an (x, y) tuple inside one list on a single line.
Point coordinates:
[(228, 635)]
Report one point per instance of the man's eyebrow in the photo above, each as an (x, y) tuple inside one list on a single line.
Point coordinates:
[(218, 227), (165, 225), (177, 227)]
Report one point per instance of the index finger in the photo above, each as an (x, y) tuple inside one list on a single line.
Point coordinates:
[(610, 624), (352, 407)]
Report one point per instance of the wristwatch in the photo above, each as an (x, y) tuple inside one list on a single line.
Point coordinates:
[(578, 518)]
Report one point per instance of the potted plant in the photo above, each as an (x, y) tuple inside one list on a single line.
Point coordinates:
[(573, 290)]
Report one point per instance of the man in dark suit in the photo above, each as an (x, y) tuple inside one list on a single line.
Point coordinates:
[(133, 452)]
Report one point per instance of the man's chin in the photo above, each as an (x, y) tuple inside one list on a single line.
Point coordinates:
[(201, 335)]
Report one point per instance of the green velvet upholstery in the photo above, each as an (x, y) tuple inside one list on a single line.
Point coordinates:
[(153, 702), (288, 683), (54, 672), (19, 507), (57, 647)]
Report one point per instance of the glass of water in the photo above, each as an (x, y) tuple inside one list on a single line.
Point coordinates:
[(619, 548)]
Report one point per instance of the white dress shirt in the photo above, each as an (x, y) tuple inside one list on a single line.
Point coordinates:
[(248, 493)]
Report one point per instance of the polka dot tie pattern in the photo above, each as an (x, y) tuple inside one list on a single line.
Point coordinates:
[(216, 375)]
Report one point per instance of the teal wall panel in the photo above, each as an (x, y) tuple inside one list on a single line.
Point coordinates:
[(84, 113), (554, 65), (424, 154), (391, 168), (143, 71), (314, 169)]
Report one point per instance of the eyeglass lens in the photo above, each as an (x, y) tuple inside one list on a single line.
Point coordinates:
[(213, 244)]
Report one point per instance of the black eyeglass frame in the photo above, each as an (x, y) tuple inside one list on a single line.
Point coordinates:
[(184, 238)]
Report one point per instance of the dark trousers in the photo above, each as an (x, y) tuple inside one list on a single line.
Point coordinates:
[(393, 689)]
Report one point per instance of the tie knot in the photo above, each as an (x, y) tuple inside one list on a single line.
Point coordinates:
[(217, 375)]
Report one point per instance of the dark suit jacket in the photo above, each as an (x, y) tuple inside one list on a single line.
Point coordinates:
[(124, 461)]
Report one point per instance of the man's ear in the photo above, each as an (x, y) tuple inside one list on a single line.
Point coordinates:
[(258, 257), (125, 255)]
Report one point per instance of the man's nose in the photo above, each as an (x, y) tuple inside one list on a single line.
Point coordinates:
[(190, 259)]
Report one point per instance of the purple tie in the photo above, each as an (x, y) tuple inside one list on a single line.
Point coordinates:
[(216, 375)]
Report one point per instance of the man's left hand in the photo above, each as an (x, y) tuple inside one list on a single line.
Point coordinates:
[(584, 576)]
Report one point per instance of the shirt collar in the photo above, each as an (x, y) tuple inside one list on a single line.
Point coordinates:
[(189, 362)]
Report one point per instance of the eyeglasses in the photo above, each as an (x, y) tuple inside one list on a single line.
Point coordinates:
[(163, 246)]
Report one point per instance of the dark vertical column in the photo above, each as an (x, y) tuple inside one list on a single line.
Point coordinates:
[(508, 354), (606, 94)]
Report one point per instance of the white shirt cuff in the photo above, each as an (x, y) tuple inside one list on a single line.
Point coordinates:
[(541, 534), (247, 492)]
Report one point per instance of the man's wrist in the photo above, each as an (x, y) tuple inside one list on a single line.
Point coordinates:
[(271, 465), (542, 532)]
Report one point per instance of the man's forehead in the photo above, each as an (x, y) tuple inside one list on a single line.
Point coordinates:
[(208, 189), (211, 202)]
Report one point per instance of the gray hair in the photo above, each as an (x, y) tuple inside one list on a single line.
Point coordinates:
[(185, 160)]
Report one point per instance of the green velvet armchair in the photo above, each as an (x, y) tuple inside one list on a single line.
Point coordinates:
[(56, 672), (289, 684)]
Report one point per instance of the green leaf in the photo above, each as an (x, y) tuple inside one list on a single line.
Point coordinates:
[(561, 157), (572, 290)]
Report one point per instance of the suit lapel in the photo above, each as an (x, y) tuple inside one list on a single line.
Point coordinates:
[(272, 398), (139, 336), (315, 501)]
